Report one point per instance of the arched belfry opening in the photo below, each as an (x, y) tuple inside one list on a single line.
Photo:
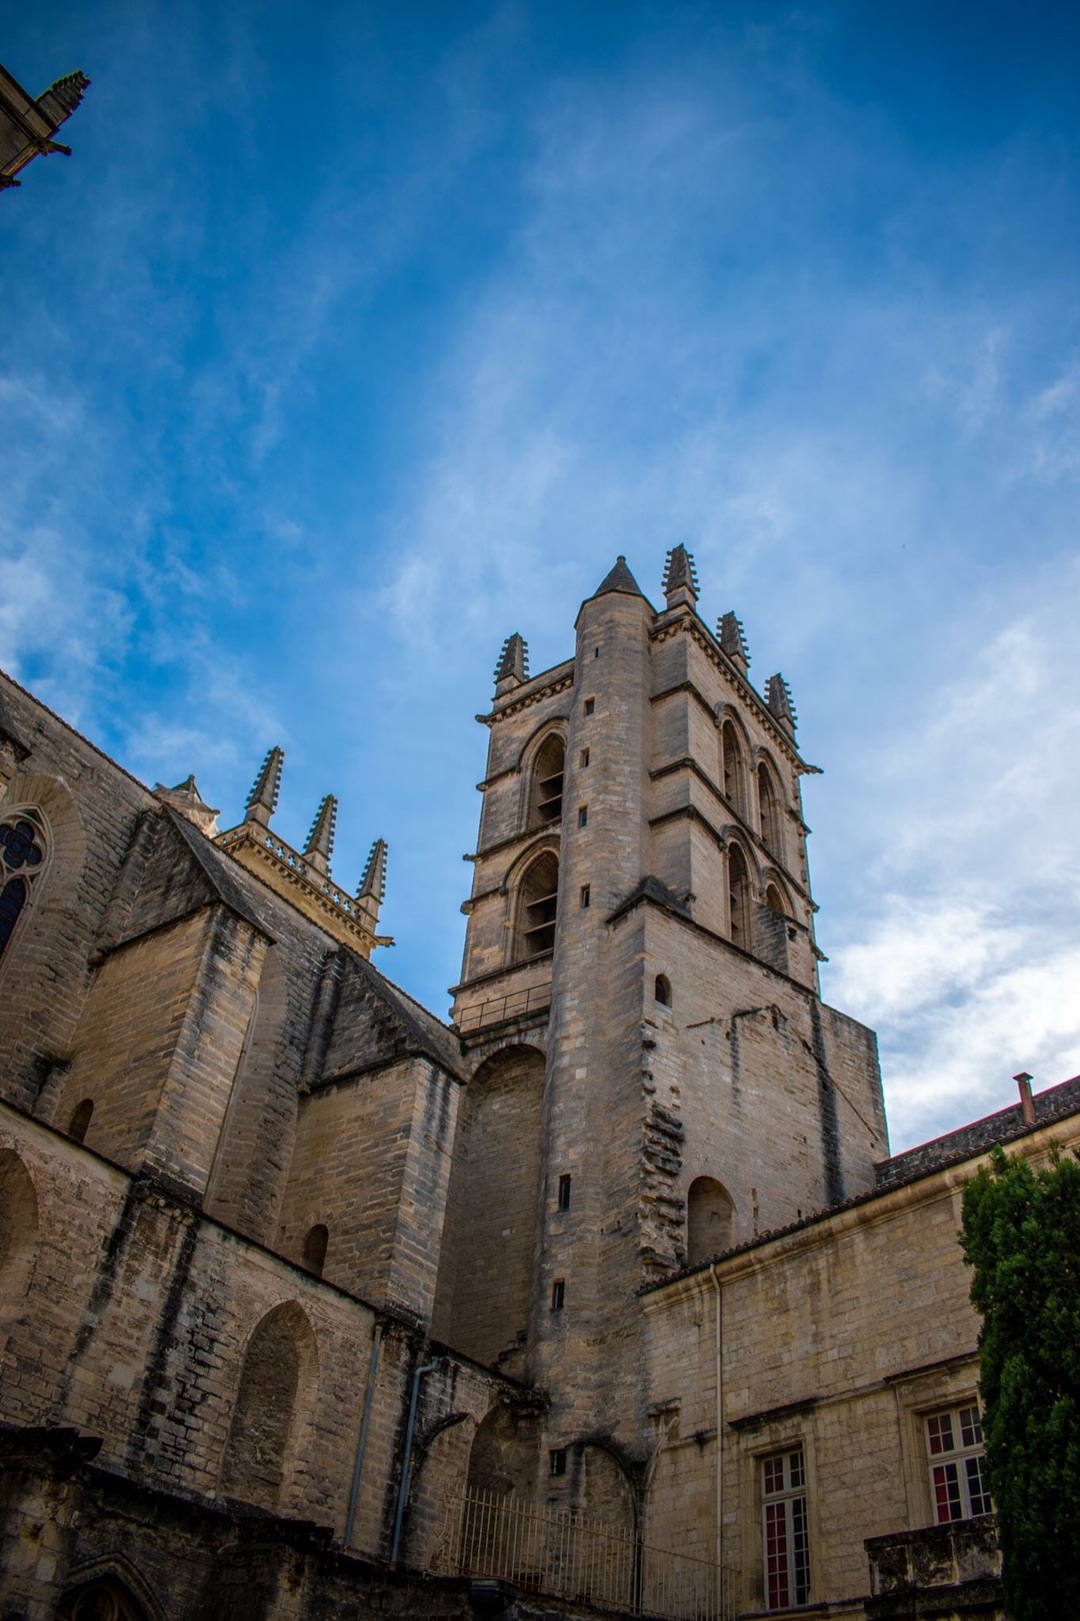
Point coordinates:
[(733, 768), (546, 783), (772, 835), (739, 897), (538, 897), (484, 1288), (710, 1220)]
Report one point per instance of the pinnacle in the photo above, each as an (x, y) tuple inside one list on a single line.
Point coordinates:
[(732, 639), (263, 798), (680, 573), (513, 662), (619, 579), (778, 701), (320, 843), (373, 882)]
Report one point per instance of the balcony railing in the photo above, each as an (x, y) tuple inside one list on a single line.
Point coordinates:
[(561, 1554), (496, 1008), (957, 1567)]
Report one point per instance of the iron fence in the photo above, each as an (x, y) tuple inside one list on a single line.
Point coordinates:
[(560, 1553)]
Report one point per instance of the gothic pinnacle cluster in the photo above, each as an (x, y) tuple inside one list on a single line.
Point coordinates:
[(681, 590), (305, 876)]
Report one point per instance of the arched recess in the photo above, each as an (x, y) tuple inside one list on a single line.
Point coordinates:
[(662, 991), (505, 1453), (733, 767), (710, 1220), (106, 1598), (276, 1386), (739, 897), (315, 1242), (18, 1232), (607, 1501), (546, 775), (244, 1189), (536, 906), (79, 1122), (484, 1288), (769, 812)]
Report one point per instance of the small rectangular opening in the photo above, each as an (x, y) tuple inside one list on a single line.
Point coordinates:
[(586, 898), (557, 1461), (583, 816), (564, 1193), (558, 1294), (584, 757), (590, 705)]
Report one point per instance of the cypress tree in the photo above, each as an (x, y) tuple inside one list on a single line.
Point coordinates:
[(1021, 1236)]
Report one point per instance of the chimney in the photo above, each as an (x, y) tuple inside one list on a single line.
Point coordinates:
[(1027, 1103)]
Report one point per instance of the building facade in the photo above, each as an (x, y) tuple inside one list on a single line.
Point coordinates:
[(607, 1296)]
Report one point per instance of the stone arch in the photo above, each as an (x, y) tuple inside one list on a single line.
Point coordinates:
[(504, 1454), (710, 1220), (316, 1240), (662, 991), (739, 912), (277, 1379), (439, 1465), (19, 1220), (535, 906), (543, 764), (242, 1191), (607, 1499), (109, 1589), (770, 815), (484, 1288)]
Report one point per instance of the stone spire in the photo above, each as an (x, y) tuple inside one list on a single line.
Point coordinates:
[(513, 666), (730, 635), (619, 579), (320, 843), (680, 579), (186, 799), (778, 700), (263, 798), (372, 890)]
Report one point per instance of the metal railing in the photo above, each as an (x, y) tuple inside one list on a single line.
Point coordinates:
[(560, 1553), (510, 1006)]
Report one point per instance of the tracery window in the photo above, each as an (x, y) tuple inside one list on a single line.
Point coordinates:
[(22, 859)]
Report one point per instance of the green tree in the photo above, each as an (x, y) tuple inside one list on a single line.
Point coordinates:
[(1021, 1235)]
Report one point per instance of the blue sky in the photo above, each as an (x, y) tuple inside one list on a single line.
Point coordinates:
[(354, 337)]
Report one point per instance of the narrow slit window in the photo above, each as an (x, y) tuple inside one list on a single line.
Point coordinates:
[(583, 816), (662, 990), (590, 705), (586, 898), (557, 1461), (558, 1294), (564, 1192), (584, 757)]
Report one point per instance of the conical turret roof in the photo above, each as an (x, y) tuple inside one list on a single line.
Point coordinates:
[(619, 579)]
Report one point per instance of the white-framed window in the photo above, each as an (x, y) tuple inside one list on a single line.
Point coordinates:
[(785, 1529), (954, 1445)]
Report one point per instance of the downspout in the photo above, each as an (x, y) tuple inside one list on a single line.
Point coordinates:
[(719, 1422), (361, 1445), (403, 1489)]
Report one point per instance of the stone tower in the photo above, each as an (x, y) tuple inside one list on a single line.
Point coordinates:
[(654, 1078)]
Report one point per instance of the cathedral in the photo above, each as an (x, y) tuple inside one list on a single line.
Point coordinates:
[(605, 1298)]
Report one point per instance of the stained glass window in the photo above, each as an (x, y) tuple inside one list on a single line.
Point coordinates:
[(22, 857)]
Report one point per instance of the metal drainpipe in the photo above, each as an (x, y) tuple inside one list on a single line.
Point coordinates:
[(719, 1422), (361, 1445), (403, 1489)]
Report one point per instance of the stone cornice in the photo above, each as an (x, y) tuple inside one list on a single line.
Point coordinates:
[(550, 683), (296, 880)]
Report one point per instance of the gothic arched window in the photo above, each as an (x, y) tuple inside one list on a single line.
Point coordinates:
[(769, 806), (739, 885), (733, 769), (22, 858), (546, 787), (537, 903)]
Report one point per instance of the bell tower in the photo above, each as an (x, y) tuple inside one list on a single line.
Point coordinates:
[(655, 1076)]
